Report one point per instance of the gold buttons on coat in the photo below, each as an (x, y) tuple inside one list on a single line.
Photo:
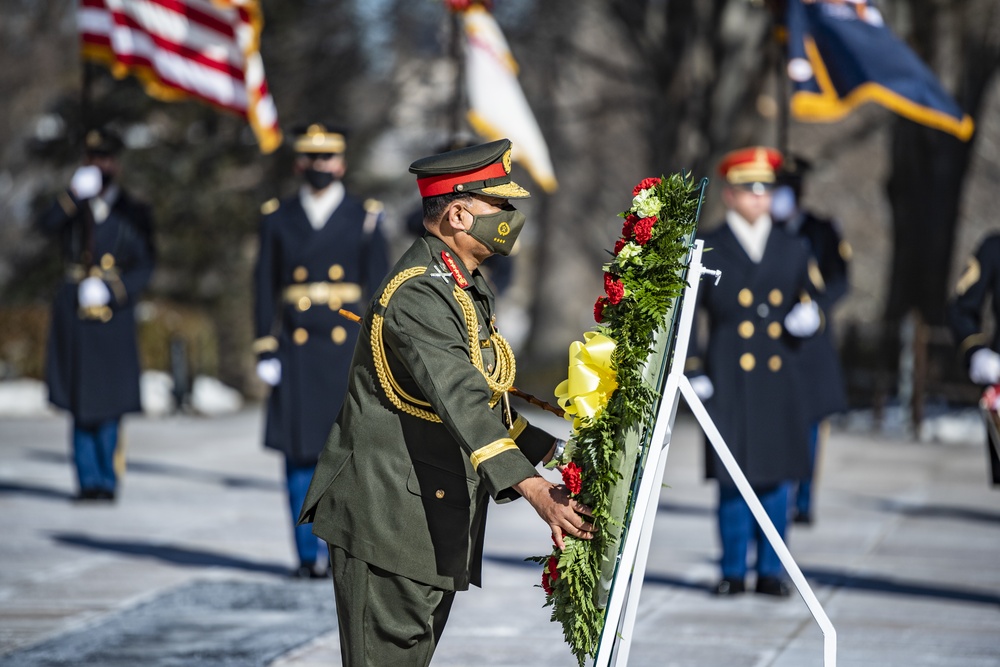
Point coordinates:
[(774, 330), (336, 272), (304, 304), (300, 336), (339, 335), (745, 329), (107, 261), (745, 297), (774, 363), (775, 297), (300, 274), (439, 494), (747, 361)]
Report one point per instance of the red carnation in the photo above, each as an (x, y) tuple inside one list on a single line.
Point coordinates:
[(629, 224), (619, 244), (553, 568), (546, 583), (571, 477), (599, 308), (644, 230), (614, 289), (646, 183)]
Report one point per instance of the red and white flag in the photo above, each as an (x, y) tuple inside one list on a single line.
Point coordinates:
[(206, 49)]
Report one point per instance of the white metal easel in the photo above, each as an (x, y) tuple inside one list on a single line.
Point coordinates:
[(619, 624)]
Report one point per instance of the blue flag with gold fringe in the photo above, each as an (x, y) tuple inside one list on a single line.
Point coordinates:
[(841, 55)]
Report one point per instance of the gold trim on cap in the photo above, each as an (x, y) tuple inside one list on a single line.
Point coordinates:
[(265, 344), (300, 336), (774, 330), (775, 297), (336, 272), (338, 335), (774, 363), (300, 274), (747, 361), (506, 160), (745, 329), (506, 190), (489, 451), (318, 140), (745, 297)]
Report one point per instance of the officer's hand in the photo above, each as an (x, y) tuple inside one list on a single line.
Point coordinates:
[(554, 505), (93, 292), (984, 366), (803, 319), (86, 182), (703, 387), (269, 370)]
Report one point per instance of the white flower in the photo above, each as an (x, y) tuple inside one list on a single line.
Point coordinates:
[(629, 253), (646, 203)]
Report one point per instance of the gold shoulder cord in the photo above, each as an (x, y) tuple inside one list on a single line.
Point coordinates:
[(500, 380)]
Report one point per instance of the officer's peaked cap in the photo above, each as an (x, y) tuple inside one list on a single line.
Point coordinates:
[(482, 169), (319, 138), (747, 166), (102, 141)]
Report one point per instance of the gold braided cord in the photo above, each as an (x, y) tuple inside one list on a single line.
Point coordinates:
[(403, 401), (501, 378)]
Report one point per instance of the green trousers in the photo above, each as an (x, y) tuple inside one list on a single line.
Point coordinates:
[(385, 619)]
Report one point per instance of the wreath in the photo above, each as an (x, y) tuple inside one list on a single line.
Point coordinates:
[(610, 400)]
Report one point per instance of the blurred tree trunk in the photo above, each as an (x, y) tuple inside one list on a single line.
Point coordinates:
[(928, 166)]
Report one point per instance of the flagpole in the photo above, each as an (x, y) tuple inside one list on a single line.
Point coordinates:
[(779, 42), (457, 105)]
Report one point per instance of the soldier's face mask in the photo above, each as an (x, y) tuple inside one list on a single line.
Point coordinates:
[(497, 231), (317, 179)]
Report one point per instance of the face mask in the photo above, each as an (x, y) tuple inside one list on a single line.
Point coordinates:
[(497, 231), (318, 180), (783, 203)]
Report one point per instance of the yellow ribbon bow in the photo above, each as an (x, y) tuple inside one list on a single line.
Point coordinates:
[(591, 379)]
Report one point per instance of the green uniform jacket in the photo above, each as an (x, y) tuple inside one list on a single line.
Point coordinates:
[(397, 490)]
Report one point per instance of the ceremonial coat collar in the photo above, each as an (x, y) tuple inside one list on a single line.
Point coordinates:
[(445, 260)]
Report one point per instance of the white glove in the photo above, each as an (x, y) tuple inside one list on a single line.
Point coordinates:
[(803, 320), (703, 387), (984, 366), (269, 370), (93, 292), (86, 182)]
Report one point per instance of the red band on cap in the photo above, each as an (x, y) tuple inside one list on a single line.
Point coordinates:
[(432, 186)]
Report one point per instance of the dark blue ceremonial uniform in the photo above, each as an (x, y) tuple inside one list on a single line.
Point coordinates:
[(979, 281), (303, 277), (92, 363), (759, 400)]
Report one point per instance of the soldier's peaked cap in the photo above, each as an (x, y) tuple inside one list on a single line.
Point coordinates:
[(102, 141), (481, 169), (319, 138), (746, 166)]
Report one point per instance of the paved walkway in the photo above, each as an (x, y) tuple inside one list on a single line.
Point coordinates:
[(187, 568)]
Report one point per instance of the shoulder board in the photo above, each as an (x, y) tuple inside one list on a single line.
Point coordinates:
[(374, 206), (270, 206)]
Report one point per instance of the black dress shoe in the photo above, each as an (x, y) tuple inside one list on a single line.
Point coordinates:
[(87, 495), (104, 494), (775, 586), (729, 586)]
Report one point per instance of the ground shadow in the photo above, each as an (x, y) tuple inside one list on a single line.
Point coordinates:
[(168, 554), (36, 491)]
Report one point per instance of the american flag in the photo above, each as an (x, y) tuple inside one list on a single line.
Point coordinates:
[(205, 49)]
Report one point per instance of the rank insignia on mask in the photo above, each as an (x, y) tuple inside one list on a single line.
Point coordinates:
[(456, 273)]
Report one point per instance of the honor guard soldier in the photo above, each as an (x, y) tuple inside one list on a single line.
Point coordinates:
[(320, 250), (757, 316), (979, 281), (427, 434), (819, 362), (92, 358)]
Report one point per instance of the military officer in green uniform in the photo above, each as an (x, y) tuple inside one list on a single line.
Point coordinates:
[(426, 434)]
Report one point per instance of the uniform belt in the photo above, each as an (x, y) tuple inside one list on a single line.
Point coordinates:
[(77, 272), (331, 294)]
